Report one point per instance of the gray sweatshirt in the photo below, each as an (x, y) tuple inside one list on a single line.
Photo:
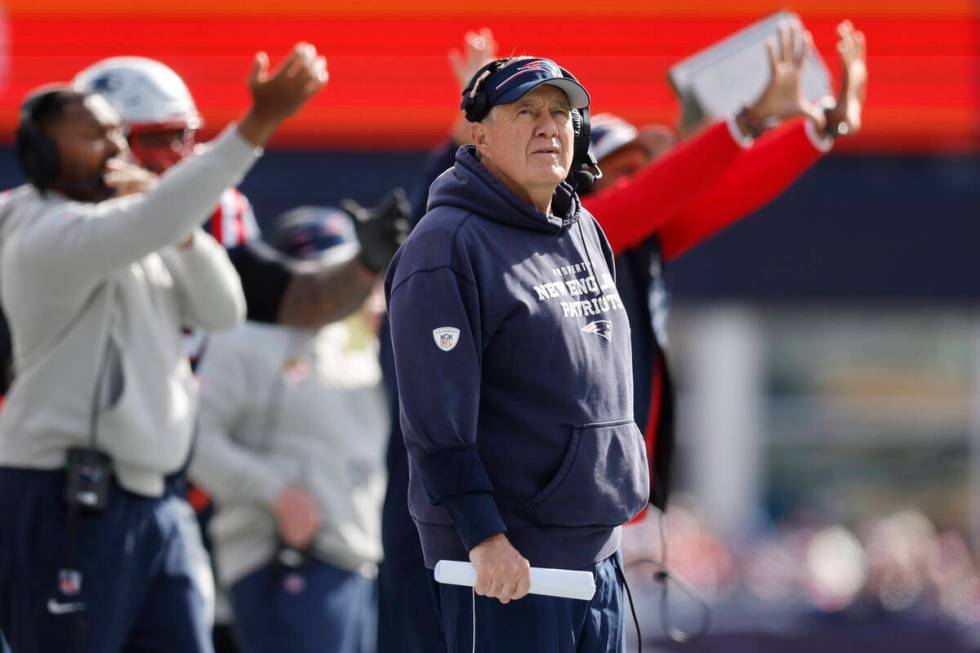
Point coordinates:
[(98, 293), (282, 405)]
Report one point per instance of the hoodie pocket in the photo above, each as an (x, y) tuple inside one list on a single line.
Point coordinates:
[(602, 481)]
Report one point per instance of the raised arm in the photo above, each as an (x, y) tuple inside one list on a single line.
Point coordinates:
[(635, 208), (778, 158), (82, 243), (755, 178), (650, 201), (479, 49)]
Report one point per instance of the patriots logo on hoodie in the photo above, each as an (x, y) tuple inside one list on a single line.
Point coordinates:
[(602, 328)]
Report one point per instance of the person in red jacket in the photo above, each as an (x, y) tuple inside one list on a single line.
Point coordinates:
[(655, 202)]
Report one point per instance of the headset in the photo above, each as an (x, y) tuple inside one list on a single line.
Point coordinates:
[(476, 105), (37, 153)]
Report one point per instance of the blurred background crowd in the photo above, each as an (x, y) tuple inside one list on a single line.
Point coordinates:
[(826, 350)]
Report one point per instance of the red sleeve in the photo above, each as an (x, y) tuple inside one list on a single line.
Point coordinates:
[(757, 176), (215, 224), (637, 207)]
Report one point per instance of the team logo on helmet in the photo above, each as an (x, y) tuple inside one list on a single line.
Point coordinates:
[(446, 337), (105, 83), (602, 328)]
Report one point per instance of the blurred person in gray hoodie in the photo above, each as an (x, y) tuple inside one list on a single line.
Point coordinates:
[(294, 425), (97, 287)]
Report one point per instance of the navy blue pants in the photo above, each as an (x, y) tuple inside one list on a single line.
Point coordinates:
[(407, 620), (318, 608), (136, 590), (535, 624)]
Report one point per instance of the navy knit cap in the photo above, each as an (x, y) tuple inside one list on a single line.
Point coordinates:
[(307, 232), (520, 77)]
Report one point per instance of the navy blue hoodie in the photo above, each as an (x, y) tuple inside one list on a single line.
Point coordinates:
[(512, 355)]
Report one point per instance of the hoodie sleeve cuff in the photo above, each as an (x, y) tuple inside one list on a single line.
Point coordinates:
[(455, 478), (743, 140), (475, 517), (821, 142)]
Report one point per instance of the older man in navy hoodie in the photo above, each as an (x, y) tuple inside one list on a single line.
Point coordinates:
[(512, 352)]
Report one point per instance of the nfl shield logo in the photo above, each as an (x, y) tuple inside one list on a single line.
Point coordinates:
[(446, 337), (69, 582)]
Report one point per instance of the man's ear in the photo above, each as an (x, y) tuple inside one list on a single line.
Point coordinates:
[(479, 136)]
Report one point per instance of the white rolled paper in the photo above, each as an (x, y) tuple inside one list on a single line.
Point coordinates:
[(561, 583)]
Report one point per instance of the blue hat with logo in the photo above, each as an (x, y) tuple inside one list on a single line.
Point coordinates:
[(308, 232), (609, 133), (505, 81)]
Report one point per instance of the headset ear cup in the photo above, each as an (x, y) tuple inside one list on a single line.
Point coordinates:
[(584, 132), (577, 131), (585, 170), (476, 105)]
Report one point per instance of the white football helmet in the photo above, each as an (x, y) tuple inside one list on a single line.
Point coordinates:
[(146, 93)]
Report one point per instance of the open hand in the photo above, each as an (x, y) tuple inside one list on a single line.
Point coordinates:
[(854, 79), (281, 93), (783, 96), (479, 50), (501, 572)]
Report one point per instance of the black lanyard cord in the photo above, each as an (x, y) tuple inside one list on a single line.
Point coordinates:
[(629, 596), (665, 578)]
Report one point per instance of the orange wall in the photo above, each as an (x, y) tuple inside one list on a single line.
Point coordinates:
[(391, 86)]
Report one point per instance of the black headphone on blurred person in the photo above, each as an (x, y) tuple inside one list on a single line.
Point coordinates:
[(476, 105), (37, 153)]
